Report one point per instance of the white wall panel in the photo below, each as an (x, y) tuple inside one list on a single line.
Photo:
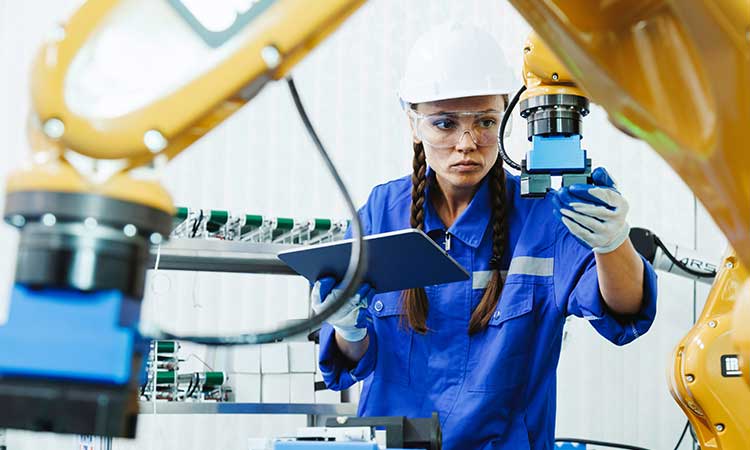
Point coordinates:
[(261, 161)]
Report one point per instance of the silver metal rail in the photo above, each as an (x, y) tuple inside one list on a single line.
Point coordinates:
[(333, 409), (215, 255)]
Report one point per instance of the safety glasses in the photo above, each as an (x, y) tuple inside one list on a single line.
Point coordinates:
[(446, 129)]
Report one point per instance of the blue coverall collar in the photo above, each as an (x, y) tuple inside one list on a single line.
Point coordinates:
[(471, 224)]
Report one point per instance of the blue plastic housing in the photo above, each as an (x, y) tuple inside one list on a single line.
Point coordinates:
[(71, 335), (556, 155)]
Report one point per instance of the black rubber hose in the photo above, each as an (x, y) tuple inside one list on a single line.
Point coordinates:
[(352, 278), (682, 436), (503, 124), (680, 264)]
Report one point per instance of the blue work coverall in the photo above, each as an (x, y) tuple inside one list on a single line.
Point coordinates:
[(497, 388)]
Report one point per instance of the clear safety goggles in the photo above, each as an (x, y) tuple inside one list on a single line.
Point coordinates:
[(446, 129)]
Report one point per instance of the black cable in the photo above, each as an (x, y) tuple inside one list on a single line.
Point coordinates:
[(503, 124), (188, 391), (680, 264), (197, 224), (352, 278), (194, 382), (605, 444), (682, 436)]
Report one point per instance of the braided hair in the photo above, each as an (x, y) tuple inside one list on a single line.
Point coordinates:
[(414, 301), (483, 312)]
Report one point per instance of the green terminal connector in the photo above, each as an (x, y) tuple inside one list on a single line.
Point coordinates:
[(166, 377), (216, 220), (320, 227), (252, 222), (181, 214), (214, 379), (167, 346), (323, 224), (283, 225)]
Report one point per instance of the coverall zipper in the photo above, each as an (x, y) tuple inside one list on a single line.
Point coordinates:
[(447, 241)]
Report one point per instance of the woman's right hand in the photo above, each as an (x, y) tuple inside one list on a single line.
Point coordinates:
[(350, 321)]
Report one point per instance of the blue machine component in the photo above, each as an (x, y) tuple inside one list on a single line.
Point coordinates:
[(556, 155), (311, 445), (71, 335)]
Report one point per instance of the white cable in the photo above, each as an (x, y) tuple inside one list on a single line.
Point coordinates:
[(193, 355), (154, 311), (158, 257)]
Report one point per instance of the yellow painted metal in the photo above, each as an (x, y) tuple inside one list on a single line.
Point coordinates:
[(741, 327), (292, 26), (49, 175), (144, 191), (673, 73), (57, 175), (543, 73), (48, 171), (676, 73), (718, 406), (182, 116)]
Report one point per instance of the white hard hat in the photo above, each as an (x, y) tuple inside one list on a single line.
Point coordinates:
[(453, 61)]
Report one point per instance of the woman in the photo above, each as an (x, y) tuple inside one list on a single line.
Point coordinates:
[(482, 353)]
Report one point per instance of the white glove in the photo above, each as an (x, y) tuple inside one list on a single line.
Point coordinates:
[(594, 213), (350, 321)]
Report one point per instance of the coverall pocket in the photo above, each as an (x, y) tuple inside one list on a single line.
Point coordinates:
[(394, 340), (499, 356)]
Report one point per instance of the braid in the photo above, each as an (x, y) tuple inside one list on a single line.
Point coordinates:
[(414, 301), (418, 183), (483, 312), (499, 211)]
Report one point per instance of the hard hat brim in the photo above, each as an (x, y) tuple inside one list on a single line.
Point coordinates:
[(425, 97)]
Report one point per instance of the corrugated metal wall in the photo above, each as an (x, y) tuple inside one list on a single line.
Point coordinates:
[(261, 162)]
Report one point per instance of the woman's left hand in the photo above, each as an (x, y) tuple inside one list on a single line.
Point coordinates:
[(595, 213)]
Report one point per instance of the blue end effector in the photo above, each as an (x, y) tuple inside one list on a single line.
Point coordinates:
[(71, 335), (555, 132), (72, 362), (556, 155), (553, 155)]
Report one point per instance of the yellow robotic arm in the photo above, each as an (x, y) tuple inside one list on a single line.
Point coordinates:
[(122, 85), (676, 73), (140, 80)]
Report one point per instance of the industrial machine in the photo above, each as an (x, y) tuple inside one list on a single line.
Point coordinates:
[(553, 107), (165, 381), (707, 361), (88, 206), (227, 226), (652, 64), (362, 433)]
